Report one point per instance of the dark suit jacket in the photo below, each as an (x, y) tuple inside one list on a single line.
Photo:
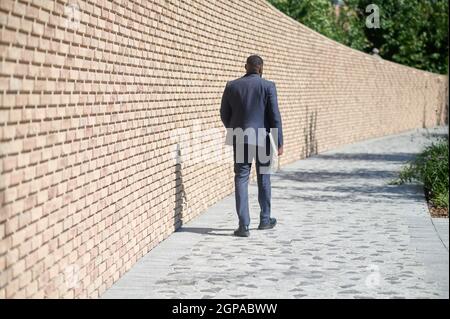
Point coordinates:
[(250, 102)]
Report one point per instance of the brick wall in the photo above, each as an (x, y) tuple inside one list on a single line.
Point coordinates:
[(92, 92)]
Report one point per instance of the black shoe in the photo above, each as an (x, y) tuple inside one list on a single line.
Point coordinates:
[(242, 231), (271, 224)]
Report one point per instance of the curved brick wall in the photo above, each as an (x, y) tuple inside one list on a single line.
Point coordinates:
[(89, 106)]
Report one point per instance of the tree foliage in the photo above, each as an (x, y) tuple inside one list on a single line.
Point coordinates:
[(412, 32)]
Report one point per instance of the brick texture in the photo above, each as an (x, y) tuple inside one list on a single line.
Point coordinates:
[(98, 96)]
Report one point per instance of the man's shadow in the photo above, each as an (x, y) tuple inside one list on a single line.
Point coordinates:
[(206, 231), (180, 194), (181, 203)]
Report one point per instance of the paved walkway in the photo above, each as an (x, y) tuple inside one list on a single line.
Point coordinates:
[(343, 232)]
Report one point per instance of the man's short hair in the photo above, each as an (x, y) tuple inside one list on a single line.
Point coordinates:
[(254, 60)]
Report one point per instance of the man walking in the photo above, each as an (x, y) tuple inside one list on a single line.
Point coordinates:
[(249, 111)]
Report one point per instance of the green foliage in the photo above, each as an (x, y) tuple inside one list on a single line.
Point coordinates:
[(319, 16), (412, 32), (430, 168)]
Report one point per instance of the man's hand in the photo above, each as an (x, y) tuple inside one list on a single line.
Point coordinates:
[(280, 151)]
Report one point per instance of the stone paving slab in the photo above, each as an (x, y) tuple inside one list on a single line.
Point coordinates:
[(441, 225), (343, 232)]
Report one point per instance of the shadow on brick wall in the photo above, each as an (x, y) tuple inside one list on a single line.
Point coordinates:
[(309, 133), (180, 194)]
